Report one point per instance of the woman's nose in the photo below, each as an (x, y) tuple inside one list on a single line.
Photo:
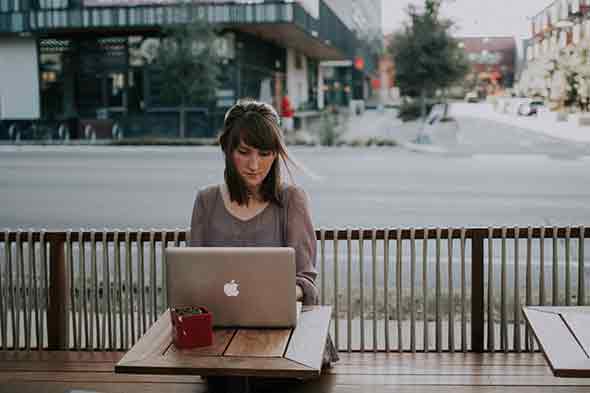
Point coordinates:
[(253, 162)]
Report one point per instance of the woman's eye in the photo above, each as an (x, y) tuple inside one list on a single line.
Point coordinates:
[(265, 153), (242, 151)]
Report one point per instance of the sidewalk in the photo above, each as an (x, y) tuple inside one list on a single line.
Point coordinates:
[(545, 123)]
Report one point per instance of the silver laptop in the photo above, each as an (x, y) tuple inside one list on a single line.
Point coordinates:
[(241, 286)]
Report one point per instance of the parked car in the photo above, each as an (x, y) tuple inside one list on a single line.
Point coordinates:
[(530, 107), (472, 96)]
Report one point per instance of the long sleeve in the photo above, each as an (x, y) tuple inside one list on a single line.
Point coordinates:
[(198, 222), (301, 236)]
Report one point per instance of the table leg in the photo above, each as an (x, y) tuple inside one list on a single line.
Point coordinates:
[(238, 385), (229, 385)]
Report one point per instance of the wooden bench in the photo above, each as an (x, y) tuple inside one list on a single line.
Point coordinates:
[(67, 371)]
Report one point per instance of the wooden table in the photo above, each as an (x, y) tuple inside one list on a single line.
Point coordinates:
[(274, 353), (564, 336)]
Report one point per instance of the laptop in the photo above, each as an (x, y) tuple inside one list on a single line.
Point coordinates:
[(241, 286)]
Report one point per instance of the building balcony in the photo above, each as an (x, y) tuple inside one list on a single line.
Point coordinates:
[(284, 23)]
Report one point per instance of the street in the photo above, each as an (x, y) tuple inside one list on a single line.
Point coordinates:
[(485, 174)]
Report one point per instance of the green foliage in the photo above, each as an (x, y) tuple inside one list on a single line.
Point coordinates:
[(411, 110), (425, 55), (188, 63), (328, 133)]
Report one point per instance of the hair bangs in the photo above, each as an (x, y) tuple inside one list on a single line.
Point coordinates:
[(255, 131)]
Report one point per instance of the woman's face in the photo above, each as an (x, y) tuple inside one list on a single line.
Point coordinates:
[(252, 164)]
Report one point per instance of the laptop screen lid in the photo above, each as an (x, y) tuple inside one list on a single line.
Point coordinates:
[(241, 286)]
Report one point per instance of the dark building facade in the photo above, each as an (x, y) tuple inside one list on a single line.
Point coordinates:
[(84, 65)]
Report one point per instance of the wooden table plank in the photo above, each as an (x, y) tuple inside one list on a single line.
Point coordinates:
[(153, 343), (251, 352), (579, 323), (259, 343), (221, 339), (177, 364), (309, 337), (562, 351)]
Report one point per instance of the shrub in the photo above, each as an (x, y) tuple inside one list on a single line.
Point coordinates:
[(410, 110), (328, 133)]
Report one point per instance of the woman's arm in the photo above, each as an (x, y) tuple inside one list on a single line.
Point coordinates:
[(301, 236), (198, 222)]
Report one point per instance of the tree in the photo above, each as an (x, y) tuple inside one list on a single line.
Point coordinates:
[(426, 57), (188, 64)]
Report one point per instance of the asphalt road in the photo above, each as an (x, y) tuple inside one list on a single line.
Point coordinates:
[(483, 174)]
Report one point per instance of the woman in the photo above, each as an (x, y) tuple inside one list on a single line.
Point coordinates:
[(253, 207)]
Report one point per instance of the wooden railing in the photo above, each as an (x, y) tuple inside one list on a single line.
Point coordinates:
[(451, 289)]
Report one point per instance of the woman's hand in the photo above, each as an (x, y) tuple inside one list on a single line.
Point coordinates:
[(298, 293)]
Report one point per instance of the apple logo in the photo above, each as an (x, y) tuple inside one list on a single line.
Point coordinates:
[(231, 288)]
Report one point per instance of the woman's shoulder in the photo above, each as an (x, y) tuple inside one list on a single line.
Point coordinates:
[(208, 193), (294, 193)]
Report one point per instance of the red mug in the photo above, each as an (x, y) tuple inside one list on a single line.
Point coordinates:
[(191, 330)]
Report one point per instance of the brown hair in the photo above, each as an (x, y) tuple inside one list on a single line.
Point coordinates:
[(257, 125)]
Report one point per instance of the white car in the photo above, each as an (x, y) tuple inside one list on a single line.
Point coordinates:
[(529, 107), (472, 96)]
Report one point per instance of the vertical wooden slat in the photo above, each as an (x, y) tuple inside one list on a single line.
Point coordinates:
[(57, 320), (568, 280), (362, 286), (45, 286), (153, 283), (555, 277), (463, 293), (349, 290), (164, 286), (529, 284), (94, 322), (11, 287), (412, 289), (386, 288), (503, 295), (6, 291), (517, 309), (323, 267), (3, 343), (73, 301), (31, 291), (107, 319), (477, 293), (35, 286), (490, 297), (374, 252), (130, 320), (142, 311), (542, 267), (336, 289), (451, 293), (21, 301), (438, 326), (425, 289), (581, 271), (119, 290), (83, 297), (400, 285)]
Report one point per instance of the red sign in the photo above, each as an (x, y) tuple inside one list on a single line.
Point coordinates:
[(376, 83), (359, 63)]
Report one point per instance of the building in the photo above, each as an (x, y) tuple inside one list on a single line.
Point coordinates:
[(84, 65), (560, 24), (556, 68), (343, 81), (493, 63)]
